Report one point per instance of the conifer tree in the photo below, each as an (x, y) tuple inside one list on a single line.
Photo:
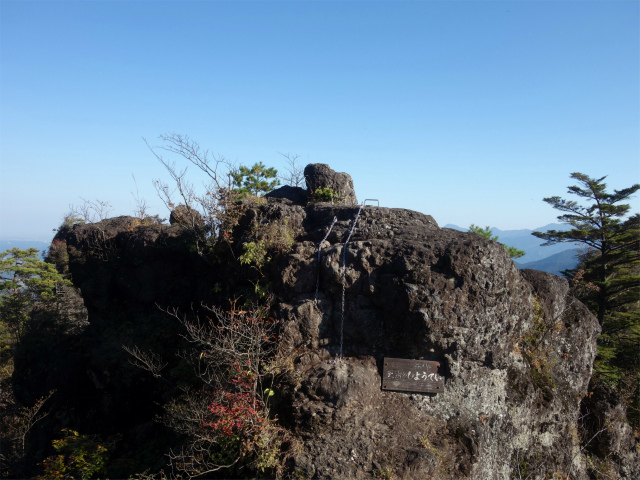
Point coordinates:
[(25, 282), (23, 271), (607, 279), (256, 180), (613, 242)]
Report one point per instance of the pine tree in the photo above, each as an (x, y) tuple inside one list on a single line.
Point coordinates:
[(613, 243), (256, 180), (25, 282), (607, 279)]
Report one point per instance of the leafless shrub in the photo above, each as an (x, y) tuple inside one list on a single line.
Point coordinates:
[(91, 211), (227, 340), (31, 416), (295, 171), (141, 210), (187, 416), (149, 361), (600, 466), (17, 422), (218, 206), (100, 245)]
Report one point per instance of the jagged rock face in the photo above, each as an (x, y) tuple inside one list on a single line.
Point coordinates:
[(289, 195), (514, 375), (413, 290), (125, 270), (119, 258), (611, 436), (183, 215), (320, 175)]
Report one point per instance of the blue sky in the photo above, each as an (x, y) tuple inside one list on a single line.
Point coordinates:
[(468, 111)]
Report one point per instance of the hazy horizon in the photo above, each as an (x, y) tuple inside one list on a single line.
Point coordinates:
[(471, 112)]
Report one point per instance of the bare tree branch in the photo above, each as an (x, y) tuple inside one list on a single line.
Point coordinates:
[(149, 361), (295, 171), (91, 211), (209, 214), (30, 417)]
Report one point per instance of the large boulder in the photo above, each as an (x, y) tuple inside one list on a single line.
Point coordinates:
[(289, 194), (185, 216), (413, 290), (514, 347), (121, 258), (320, 175)]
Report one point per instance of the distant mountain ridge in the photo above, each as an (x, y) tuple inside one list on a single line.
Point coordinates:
[(552, 258), (555, 264)]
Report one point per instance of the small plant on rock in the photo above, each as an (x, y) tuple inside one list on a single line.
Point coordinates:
[(532, 347), (254, 253), (325, 194), (269, 239)]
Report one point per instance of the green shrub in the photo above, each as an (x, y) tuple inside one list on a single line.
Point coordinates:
[(254, 253), (325, 194), (273, 238), (79, 456)]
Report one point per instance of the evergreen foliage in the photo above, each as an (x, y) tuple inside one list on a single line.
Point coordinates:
[(486, 233), (325, 194), (607, 279), (26, 282), (613, 256), (23, 271), (256, 180), (28, 290)]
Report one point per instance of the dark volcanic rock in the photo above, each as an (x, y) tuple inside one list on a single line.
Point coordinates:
[(120, 258), (183, 215), (414, 290), (289, 194), (403, 288), (612, 438), (320, 175)]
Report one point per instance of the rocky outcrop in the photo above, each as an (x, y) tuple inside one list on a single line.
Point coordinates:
[(183, 215), (611, 438), (289, 195), (122, 259), (320, 175), (514, 348), (413, 290)]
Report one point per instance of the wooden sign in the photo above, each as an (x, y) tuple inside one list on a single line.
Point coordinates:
[(411, 376)]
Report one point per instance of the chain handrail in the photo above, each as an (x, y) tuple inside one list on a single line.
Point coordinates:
[(344, 277), (335, 219), (344, 269)]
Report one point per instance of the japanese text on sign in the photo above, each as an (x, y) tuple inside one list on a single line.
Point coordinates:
[(411, 376)]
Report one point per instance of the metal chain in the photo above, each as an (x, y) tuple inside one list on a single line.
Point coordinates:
[(335, 219), (344, 278)]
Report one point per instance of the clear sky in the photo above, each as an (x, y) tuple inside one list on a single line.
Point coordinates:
[(468, 111)]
